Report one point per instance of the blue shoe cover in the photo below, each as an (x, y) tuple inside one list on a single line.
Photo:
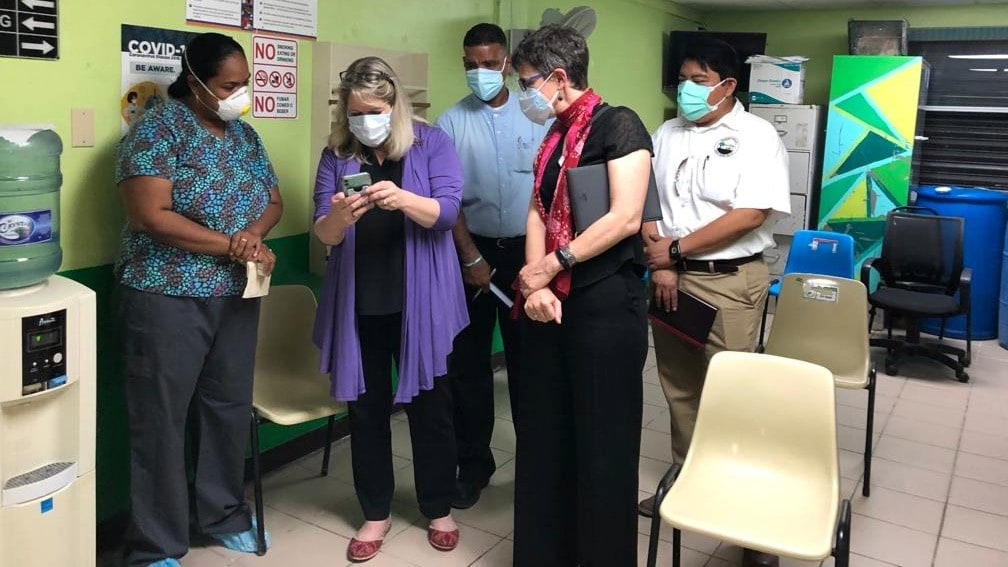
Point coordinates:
[(244, 542), (169, 562)]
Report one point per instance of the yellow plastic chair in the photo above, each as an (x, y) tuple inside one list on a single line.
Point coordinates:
[(824, 320), (762, 471), (288, 387)]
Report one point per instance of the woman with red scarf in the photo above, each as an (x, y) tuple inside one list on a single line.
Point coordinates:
[(577, 404)]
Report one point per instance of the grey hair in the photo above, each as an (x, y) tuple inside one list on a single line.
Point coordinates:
[(555, 47)]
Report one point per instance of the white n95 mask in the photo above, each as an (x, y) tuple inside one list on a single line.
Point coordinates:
[(234, 106)]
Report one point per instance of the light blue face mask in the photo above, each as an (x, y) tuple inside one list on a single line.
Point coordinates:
[(692, 100), (485, 83), (535, 106)]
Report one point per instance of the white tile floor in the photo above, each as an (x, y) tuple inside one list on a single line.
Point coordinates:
[(939, 490)]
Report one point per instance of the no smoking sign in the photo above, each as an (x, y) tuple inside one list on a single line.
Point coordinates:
[(274, 72)]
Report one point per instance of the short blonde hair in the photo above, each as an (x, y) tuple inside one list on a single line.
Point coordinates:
[(372, 78)]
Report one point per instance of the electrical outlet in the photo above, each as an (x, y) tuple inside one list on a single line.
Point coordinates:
[(82, 127)]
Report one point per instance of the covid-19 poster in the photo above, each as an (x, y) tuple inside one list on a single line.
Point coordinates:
[(151, 59)]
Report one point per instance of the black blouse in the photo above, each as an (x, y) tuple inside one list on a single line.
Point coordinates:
[(380, 250), (615, 133)]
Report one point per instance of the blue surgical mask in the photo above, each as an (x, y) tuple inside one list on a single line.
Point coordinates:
[(692, 100), (537, 107), (485, 83)]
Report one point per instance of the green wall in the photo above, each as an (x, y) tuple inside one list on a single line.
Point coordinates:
[(625, 48), (88, 76), (821, 34)]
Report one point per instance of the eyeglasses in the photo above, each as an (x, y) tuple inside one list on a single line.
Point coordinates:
[(363, 77), (526, 83)]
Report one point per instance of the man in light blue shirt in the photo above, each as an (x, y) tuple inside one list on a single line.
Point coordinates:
[(497, 145)]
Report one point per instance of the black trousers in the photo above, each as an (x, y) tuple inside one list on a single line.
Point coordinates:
[(470, 368), (186, 356), (430, 423), (577, 414)]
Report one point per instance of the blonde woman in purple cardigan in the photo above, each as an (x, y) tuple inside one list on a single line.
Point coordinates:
[(393, 291)]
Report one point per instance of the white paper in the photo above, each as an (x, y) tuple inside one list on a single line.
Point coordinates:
[(776, 60), (296, 17), (220, 12), (501, 295), (258, 284)]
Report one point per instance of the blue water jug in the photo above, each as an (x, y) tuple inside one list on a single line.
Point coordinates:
[(30, 181)]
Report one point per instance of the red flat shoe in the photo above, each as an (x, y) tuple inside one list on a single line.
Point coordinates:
[(360, 551), (442, 541)]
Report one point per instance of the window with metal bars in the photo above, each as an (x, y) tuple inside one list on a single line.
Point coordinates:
[(965, 130)]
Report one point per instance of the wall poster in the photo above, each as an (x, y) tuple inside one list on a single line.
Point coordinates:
[(151, 59), (288, 17)]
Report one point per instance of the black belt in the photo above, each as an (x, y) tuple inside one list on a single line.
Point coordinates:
[(503, 243), (717, 266)]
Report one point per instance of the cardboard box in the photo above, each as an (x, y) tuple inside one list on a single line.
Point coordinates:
[(780, 82)]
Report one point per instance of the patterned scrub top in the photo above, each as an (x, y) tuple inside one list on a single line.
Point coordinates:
[(222, 184)]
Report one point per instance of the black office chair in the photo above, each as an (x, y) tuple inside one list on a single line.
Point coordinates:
[(922, 272)]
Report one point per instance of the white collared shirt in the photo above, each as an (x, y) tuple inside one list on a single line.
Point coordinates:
[(703, 172)]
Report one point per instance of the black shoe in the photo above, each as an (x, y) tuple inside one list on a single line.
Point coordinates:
[(467, 494), (646, 507), (753, 558)]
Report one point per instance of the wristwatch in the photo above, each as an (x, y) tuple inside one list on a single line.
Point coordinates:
[(566, 259), (675, 255)]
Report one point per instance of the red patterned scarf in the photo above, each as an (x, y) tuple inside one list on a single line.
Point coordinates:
[(571, 127)]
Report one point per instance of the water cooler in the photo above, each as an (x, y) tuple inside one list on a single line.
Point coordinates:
[(47, 425), (47, 369)]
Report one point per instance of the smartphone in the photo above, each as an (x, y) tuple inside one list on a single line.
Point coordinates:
[(356, 183)]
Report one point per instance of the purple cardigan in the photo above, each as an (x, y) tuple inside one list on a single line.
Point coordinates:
[(434, 308)]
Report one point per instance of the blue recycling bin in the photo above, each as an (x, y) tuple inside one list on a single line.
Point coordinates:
[(985, 213)]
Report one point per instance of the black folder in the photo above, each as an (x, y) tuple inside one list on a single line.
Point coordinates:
[(588, 188), (691, 322)]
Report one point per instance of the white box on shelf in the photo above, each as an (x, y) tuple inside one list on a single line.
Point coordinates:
[(776, 80)]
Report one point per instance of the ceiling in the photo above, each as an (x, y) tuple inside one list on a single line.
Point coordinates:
[(825, 4)]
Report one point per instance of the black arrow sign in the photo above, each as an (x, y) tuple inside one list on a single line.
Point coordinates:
[(29, 29)]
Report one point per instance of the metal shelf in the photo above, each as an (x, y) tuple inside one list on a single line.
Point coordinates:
[(974, 109)]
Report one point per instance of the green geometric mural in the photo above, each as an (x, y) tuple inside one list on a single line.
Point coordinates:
[(833, 193), (869, 142), (859, 107), (871, 149), (880, 200), (857, 70)]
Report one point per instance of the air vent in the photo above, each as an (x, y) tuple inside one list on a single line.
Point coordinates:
[(38, 483)]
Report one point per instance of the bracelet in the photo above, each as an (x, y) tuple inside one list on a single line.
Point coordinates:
[(474, 262)]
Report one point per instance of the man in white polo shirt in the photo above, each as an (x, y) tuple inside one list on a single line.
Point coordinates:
[(722, 175)]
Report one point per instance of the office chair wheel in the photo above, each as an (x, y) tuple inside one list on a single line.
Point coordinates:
[(962, 376), (890, 368)]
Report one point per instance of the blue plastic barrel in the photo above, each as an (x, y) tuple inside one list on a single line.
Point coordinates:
[(30, 182), (985, 213), (1003, 311)]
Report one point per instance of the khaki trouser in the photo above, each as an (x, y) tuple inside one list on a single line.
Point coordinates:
[(681, 368)]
